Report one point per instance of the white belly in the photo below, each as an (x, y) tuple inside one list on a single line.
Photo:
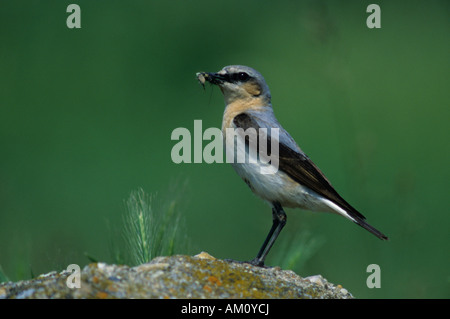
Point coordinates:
[(279, 187)]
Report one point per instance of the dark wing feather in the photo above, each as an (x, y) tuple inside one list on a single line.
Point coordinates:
[(301, 169)]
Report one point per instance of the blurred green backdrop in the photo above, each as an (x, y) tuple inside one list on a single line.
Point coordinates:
[(86, 117)]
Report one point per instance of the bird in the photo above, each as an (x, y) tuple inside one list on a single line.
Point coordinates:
[(297, 182)]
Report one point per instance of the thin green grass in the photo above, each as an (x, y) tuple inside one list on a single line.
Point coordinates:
[(152, 228), (295, 250), (3, 277)]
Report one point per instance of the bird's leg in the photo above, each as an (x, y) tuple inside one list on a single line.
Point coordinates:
[(279, 220), (275, 223)]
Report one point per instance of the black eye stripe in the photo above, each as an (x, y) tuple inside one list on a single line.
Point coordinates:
[(238, 77), (242, 76)]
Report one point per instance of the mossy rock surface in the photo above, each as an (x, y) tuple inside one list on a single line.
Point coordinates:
[(200, 276)]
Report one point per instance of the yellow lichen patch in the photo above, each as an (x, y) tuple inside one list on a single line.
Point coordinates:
[(112, 288), (214, 280), (207, 288), (101, 295)]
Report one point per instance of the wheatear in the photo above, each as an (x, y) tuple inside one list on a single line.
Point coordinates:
[(298, 182)]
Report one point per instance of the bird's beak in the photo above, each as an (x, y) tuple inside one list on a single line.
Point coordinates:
[(216, 78), (213, 78)]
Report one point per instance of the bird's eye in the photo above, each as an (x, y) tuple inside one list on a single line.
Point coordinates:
[(242, 76)]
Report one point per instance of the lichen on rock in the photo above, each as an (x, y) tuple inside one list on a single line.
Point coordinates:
[(200, 276)]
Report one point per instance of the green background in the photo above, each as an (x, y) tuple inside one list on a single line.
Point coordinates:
[(86, 117)]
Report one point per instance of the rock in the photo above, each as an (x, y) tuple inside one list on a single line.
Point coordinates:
[(200, 276)]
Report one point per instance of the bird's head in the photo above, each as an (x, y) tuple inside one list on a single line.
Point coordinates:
[(239, 83)]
